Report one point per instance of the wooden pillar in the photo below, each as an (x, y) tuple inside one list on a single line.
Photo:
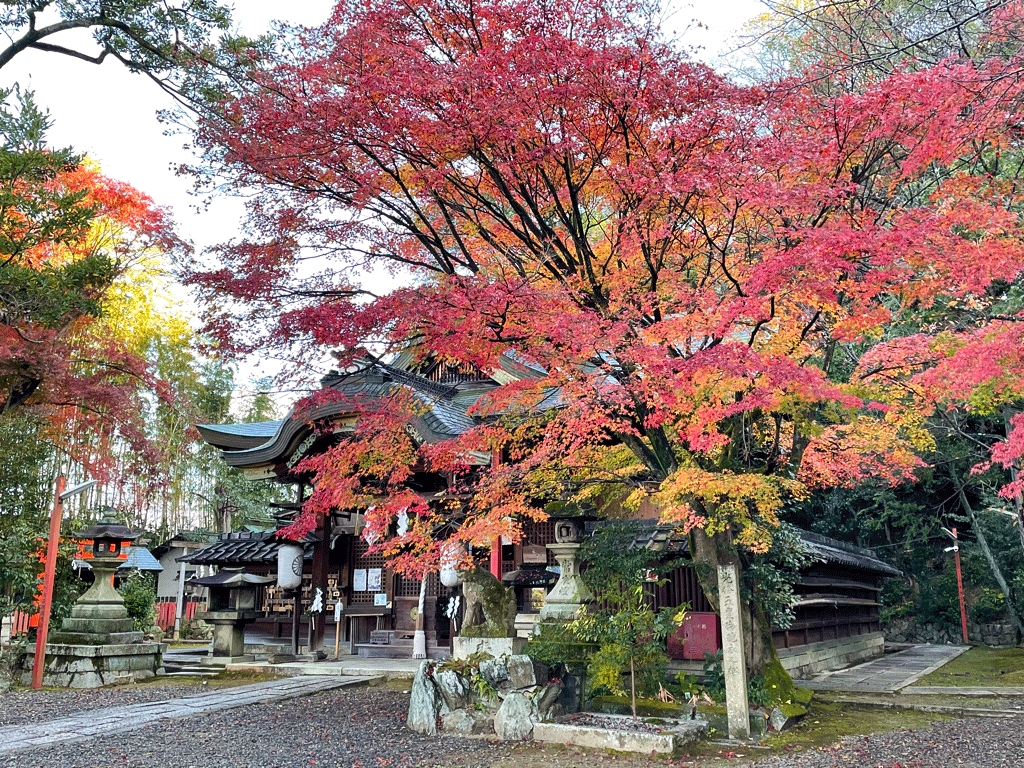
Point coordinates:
[(321, 550)]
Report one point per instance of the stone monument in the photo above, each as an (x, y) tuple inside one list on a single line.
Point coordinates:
[(97, 644)]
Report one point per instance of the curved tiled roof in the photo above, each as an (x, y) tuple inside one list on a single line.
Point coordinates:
[(668, 539), (242, 548)]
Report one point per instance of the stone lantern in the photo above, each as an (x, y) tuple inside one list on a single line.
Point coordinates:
[(99, 616), (569, 593), (231, 605), (98, 643)]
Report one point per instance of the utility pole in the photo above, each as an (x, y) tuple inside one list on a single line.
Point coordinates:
[(959, 578)]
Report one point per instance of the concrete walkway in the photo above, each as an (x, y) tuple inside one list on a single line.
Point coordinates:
[(100, 722), (891, 673)]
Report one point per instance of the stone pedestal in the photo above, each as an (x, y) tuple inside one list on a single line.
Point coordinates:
[(565, 599), (93, 666)]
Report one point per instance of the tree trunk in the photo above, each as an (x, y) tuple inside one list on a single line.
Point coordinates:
[(708, 553)]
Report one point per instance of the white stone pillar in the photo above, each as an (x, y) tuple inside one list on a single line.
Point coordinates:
[(733, 662), (179, 607)]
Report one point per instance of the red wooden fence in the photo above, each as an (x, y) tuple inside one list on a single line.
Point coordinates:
[(21, 622), (165, 613)]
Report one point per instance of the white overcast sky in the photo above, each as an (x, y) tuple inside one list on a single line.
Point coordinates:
[(110, 114)]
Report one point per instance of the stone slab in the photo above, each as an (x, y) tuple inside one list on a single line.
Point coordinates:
[(464, 647), (605, 738)]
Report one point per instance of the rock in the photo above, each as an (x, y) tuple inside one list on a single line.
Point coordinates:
[(424, 702), (494, 671), (786, 715), (571, 696), (524, 672), (548, 698), (515, 718), (467, 723), (453, 687)]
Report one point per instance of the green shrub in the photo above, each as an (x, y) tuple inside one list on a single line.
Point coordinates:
[(139, 599), (989, 607)]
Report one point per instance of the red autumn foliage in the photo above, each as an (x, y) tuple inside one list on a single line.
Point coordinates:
[(695, 266), (88, 387)]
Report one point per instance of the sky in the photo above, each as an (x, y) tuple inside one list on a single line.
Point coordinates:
[(109, 113)]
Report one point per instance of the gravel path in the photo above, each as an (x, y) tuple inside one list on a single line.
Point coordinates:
[(364, 728), (27, 706)]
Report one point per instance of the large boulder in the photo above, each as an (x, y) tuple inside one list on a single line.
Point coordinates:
[(453, 687), (515, 717), (524, 672), (494, 672), (466, 723)]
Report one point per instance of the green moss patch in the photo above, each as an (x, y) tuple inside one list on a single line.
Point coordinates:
[(980, 667)]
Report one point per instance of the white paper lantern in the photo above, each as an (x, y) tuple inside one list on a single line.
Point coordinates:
[(451, 555), (289, 566)]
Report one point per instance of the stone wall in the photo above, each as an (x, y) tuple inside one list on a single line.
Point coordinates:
[(804, 660), (910, 631)]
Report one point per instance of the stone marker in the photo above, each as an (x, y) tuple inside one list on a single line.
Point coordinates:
[(424, 701)]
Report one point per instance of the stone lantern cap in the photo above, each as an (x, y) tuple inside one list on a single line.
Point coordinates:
[(108, 528), (232, 579)]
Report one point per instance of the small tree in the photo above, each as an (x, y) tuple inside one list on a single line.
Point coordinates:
[(629, 634)]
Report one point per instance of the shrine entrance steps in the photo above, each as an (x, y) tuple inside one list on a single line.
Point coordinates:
[(390, 644)]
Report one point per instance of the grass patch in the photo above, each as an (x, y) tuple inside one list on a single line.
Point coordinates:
[(980, 667), (828, 722)]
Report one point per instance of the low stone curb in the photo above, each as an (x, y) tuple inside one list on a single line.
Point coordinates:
[(1005, 692), (605, 738), (946, 709)]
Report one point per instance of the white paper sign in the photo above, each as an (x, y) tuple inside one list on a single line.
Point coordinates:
[(374, 579), (359, 580), (337, 611), (381, 599)]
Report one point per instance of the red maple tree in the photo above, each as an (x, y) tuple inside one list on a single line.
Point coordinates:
[(68, 234), (696, 267)]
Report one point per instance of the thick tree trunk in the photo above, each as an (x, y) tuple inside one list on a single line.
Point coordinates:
[(708, 553)]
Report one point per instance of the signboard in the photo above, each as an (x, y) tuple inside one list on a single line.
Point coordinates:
[(359, 580), (535, 553), (380, 599)]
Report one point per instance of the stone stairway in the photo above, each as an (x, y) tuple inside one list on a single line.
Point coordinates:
[(180, 663), (393, 645)]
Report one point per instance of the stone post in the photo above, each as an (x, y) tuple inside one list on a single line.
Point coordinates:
[(733, 662)]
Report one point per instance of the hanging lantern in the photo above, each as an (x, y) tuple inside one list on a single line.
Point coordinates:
[(289, 566), (452, 553)]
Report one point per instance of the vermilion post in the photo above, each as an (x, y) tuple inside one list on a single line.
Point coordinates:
[(52, 544), (960, 585), (496, 544)]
